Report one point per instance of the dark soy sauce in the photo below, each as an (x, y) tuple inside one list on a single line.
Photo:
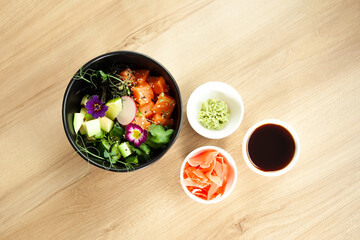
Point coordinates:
[(271, 147)]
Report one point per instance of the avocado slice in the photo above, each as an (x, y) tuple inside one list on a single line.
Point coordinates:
[(114, 108), (83, 111), (78, 121), (82, 129), (84, 100), (92, 127), (106, 124)]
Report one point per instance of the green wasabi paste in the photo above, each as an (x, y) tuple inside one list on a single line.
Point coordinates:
[(214, 114)]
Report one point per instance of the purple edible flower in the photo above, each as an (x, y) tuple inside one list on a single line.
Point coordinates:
[(95, 107), (135, 134)]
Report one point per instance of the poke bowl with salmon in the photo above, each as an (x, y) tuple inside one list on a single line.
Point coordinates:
[(122, 111)]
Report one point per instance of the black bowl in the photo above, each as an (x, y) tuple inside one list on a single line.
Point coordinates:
[(106, 62)]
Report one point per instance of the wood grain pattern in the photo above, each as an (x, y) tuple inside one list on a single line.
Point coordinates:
[(298, 61)]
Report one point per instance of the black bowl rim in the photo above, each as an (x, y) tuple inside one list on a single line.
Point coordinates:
[(157, 158)]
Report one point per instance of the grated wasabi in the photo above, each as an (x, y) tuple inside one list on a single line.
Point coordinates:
[(214, 114)]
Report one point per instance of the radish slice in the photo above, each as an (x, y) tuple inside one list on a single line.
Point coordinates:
[(128, 112)]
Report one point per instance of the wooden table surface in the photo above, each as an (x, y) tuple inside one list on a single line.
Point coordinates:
[(297, 61)]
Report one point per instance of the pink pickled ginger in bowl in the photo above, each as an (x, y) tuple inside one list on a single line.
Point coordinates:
[(208, 174)]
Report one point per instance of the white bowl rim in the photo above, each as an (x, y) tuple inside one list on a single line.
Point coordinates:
[(231, 163), (271, 173), (219, 87)]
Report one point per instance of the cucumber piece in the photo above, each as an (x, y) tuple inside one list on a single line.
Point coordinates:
[(132, 159), (115, 153), (117, 131), (124, 149), (99, 135), (103, 145), (84, 100)]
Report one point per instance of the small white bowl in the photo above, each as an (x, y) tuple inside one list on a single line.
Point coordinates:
[(231, 181), (277, 172), (221, 91)]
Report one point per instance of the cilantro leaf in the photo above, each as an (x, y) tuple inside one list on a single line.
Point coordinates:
[(106, 154), (142, 150), (109, 157), (136, 150), (158, 136), (103, 75), (145, 148)]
